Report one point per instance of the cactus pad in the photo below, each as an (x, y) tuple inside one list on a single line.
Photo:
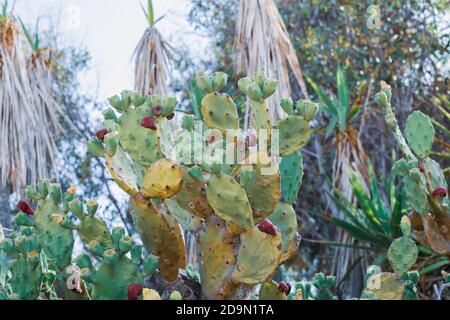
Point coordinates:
[(217, 256), (269, 291), (121, 171), (162, 180), (220, 112), (263, 191), (258, 256), (285, 219), (416, 194), (294, 133), (192, 197), (229, 200), (161, 235), (291, 170), (142, 144), (419, 133), (402, 254)]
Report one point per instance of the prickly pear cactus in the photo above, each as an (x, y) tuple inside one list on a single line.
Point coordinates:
[(90, 228), (285, 219), (402, 255), (270, 290), (424, 182), (162, 180), (192, 197), (319, 288), (229, 200), (26, 270), (232, 207), (420, 134), (57, 242), (291, 170), (111, 279), (262, 188)]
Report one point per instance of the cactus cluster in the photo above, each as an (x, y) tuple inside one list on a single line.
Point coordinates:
[(424, 182), (240, 212), (41, 265), (400, 284)]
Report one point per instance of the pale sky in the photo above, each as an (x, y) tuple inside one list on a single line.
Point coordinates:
[(111, 29)]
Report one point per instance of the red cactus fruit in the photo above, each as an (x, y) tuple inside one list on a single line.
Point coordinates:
[(439, 192), (284, 287), (157, 111), (100, 134), (170, 116), (134, 291), (23, 206), (267, 227), (148, 122), (421, 168)]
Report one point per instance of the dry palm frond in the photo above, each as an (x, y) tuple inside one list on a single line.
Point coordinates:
[(152, 62), (28, 114), (262, 44), (350, 159)]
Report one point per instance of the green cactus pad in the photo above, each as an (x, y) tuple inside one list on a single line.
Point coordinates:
[(419, 133), (186, 219), (229, 200), (220, 112), (92, 228), (294, 133), (263, 191), (112, 279), (291, 170), (57, 241), (269, 291), (261, 116), (142, 144), (437, 178), (416, 194), (402, 254), (26, 270), (258, 257), (119, 167), (285, 219), (161, 235), (192, 197), (217, 257)]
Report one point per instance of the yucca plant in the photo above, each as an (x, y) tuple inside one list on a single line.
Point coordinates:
[(152, 57), (369, 218), (349, 159), (374, 220), (262, 44)]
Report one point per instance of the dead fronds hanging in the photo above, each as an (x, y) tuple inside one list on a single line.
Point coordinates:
[(262, 44), (28, 112), (152, 59)]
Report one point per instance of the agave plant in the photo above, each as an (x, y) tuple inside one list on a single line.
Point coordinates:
[(152, 58), (262, 44), (370, 219)]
